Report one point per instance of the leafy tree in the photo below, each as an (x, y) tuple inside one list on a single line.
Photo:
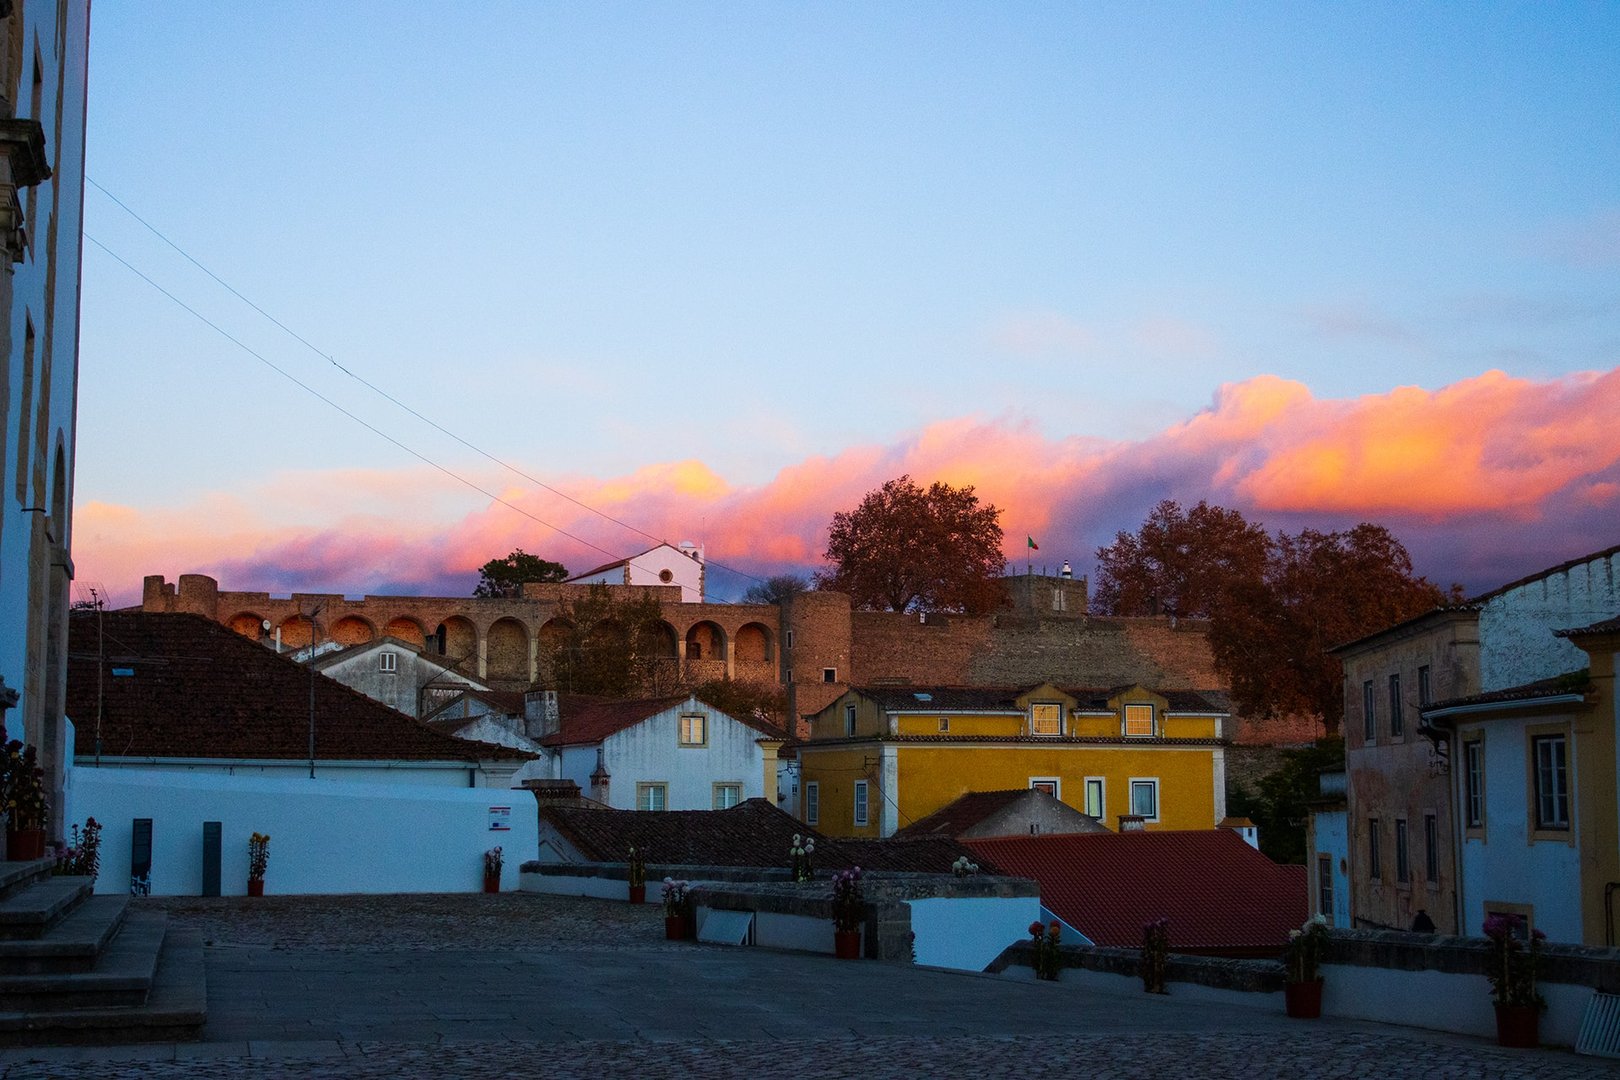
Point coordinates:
[(908, 547), (1281, 802), (776, 589), (616, 646), (505, 577), (1180, 561), (1321, 589), (767, 701)]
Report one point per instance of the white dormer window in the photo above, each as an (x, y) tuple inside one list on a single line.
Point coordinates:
[(1139, 721), (388, 662), (1046, 719)]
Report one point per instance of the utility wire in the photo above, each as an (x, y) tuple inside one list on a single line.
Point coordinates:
[(155, 231)]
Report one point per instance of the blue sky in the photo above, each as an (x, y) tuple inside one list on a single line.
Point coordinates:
[(595, 239)]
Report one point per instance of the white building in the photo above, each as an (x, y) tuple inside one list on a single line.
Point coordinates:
[(661, 565), (42, 106), (395, 673), (672, 753)]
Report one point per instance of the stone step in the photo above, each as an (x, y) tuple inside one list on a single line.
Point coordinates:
[(74, 943), (174, 1011), (31, 911), (121, 977), (16, 876)]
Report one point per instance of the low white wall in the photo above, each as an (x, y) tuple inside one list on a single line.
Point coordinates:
[(603, 888), (1442, 1000), (968, 932), (776, 930), (325, 836)]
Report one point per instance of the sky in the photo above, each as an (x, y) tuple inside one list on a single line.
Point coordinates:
[(712, 272)]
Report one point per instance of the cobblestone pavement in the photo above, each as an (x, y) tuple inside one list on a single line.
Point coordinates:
[(519, 985)]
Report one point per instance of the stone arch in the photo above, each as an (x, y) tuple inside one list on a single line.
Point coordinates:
[(552, 636), (353, 630), (665, 642), (705, 641), (753, 644), (297, 631), (250, 624), (408, 630), (458, 638), (506, 650)]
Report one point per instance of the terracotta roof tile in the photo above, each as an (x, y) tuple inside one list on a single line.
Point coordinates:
[(928, 699), (195, 689), (1219, 894), (1574, 682)]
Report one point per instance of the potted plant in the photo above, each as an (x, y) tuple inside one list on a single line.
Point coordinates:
[(965, 867), (801, 854), (26, 812), (1048, 960), (258, 860), (1302, 959), (1514, 956), (849, 911), (638, 877), (81, 858), (493, 861), (1155, 950), (676, 909)]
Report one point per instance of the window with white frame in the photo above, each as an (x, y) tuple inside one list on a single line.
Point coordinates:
[(1046, 718), (862, 807), (388, 662), (1095, 803), (1551, 781), (694, 729), (727, 795), (829, 674), (1145, 798), (1474, 784), (1138, 721), (1052, 785), (1324, 887), (652, 796), (812, 802)]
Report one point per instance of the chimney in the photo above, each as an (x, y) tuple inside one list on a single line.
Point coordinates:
[(1132, 823), (553, 792), (1244, 828), (540, 716), (600, 779)]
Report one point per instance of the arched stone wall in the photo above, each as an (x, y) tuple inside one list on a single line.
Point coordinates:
[(353, 630), (250, 624), (408, 630), (506, 651)]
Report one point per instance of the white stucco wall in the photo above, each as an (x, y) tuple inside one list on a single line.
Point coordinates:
[(650, 753), (399, 689), (1516, 644), (1505, 867), (648, 568), (325, 836), (441, 774)]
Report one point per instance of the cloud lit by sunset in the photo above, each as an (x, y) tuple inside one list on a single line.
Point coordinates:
[(1492, 459)]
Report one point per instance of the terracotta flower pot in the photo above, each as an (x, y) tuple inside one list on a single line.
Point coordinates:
[(1518, 1026), (255, 886), (638, 894), (492, 883), (675, 927), (1303, 1000), (25, 844), (847, 944)]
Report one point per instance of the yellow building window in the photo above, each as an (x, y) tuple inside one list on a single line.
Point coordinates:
[(1139, 720), (1046, 719)]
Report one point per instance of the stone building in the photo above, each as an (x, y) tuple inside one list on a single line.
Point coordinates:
[(43, 54)]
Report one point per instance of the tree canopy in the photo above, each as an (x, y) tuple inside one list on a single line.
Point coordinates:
[(505, 577), (1276, 604), (907, 547), (616, 646), (776, 589)]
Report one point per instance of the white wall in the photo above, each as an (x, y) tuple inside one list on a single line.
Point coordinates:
[(650, 753), (1441, 1001), (968, 932), (325, 836), (434, 774), (399, 689), (647, 569), (1516, 644)]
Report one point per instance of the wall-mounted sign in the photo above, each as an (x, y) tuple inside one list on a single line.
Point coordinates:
[(500, 819)]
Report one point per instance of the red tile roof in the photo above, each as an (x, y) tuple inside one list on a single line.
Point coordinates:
[(1220, 895), (196, 689), (590, 720)]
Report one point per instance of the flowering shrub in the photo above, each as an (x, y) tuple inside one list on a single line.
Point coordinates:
[(849, 903), (258, 855), (1048, 960), (1155, 950), (82, 858), (1513, 961), (493, 861), (1303, 954), (962, 867), (22, 783), (638, 868), (675, 897), (800, 856)]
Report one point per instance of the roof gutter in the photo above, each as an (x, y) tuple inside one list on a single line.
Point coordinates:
[(1503, 706)]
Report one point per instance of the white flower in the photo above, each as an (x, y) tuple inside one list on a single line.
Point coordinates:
[(1292, 934), (796, 839), (810, 846), (1318, 920)]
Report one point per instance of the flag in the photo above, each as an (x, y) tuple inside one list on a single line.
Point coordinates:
[(1033, 546)]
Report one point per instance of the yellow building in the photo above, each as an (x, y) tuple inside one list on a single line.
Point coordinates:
[(880, 758)]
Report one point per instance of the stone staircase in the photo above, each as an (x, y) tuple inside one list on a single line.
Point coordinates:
[(81, 968)]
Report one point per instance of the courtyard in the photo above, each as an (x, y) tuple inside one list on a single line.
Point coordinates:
[(522, 984)]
